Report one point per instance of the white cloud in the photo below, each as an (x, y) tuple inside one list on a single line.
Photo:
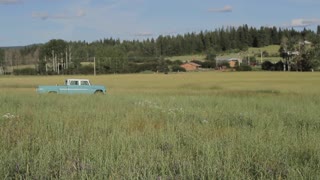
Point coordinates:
[(10, 1), (303, 1), (80, 13), (303, 22), (109, 18), (101, 19), (144, 34), (41, 15), (45, 15), (226, 8)]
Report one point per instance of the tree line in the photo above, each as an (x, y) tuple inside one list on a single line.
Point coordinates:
[(129, 56)]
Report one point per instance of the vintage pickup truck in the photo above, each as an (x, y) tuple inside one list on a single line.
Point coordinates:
[(73, 86)]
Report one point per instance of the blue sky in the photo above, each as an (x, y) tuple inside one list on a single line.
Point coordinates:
[(25, 22)]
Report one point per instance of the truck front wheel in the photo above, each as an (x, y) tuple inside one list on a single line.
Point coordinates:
[(98, 92)]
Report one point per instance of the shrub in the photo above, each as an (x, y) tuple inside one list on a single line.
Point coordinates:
[(197, 62), (244, 67), (88, 69), (267, 65), (224, 63), (208, 64), (177, 68), (278, 66), (25, 71), (211, 55), (150, 66), (178, 62)]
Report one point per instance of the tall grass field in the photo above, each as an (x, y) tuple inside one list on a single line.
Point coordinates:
[(208, 125)]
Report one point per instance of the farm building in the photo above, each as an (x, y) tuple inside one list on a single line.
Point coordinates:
[(190, 66), (232, 61)]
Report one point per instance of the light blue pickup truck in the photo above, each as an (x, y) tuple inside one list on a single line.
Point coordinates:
[(73, 86)]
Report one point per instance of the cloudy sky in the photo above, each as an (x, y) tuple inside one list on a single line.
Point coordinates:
[(25, 22)]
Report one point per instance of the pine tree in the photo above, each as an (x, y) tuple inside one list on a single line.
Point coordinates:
[(2, 53)]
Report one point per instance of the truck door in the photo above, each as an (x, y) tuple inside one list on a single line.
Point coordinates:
[(86, 87), (75, 87), (64, 89)]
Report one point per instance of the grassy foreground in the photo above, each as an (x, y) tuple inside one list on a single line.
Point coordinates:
[(178, 126)]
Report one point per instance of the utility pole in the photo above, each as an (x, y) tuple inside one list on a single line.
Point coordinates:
[(261, 57), (45, 60), (53, 63), (58, 68), (70, 60), (94, 66), (66, 62)]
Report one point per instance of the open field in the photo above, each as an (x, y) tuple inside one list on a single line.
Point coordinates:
[(272, 49), (197, 83), (11, 68), (199, 57), (223, 125)]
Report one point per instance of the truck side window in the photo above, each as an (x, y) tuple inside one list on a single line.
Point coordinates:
[(85, 83), (74, 83)]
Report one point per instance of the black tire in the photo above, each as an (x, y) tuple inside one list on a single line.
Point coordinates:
[(98, 92)]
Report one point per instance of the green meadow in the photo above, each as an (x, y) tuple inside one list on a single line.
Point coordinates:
[(202, 125), (272, 50)]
